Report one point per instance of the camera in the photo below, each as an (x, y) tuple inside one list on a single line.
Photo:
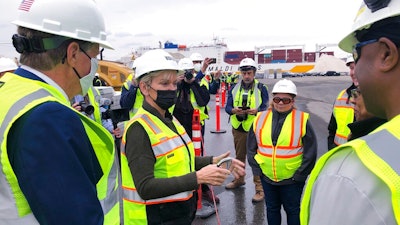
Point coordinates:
[(188, 74), (213, 60), (87, 108), (243, 107), (244, 101), (116, 115)]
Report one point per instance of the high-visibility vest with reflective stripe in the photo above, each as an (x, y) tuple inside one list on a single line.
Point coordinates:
[(202, 109), (14, 206), (172, 159), (344, 114), (94, 99), (138, 99), (254, 100), (138, 103), (379, 152), (281, 161)]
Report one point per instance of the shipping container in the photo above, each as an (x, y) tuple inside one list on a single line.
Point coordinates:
[(170, 45), (281, 52), (267, 55), (278, 61), (181, 46), (231, 55), (268, 60), (309, 56), (289, 51), (294, 59), (275, 57), (326, 53)]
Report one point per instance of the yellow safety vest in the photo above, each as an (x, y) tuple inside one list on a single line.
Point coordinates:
[(254, 100), (344, 114), (17, 104), (94, 99), (281, 161), (202, 109), (139, 97), (379, 152), (172, 159)]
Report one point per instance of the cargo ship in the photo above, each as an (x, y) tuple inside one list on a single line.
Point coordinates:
[(270, 59)]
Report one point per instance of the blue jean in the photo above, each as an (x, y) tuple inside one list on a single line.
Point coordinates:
[(287, 195)]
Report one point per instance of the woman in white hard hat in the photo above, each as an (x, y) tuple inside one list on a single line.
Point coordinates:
[(283, 146), (160, 173)]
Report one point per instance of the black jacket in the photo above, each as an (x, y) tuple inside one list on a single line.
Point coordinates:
[(364, 127), (309, 150)]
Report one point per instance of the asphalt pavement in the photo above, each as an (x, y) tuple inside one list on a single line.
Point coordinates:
[(316, 95)]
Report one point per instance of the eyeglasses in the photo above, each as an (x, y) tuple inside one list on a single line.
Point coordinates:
[(284, 100), (355, 93), (357, 48)]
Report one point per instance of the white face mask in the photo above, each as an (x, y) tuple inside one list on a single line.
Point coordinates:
[(87, 81), (197, 67)]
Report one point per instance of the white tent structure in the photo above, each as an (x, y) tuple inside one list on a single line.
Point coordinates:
[(329, 63)]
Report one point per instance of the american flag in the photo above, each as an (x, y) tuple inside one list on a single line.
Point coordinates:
[(26, 5)]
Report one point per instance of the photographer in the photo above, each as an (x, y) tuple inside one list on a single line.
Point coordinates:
[(191, 95), (200, 65), (91, 107), (245, 99)]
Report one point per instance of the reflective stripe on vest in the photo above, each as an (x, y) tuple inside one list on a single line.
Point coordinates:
[(344, 114), (94, 99), (281, 161), (138, 103), (253, 101), (15, 210), (378, 151), (34, 94), (168, 149)]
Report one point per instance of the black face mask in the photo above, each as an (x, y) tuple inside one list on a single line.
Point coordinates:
[(165, 98)]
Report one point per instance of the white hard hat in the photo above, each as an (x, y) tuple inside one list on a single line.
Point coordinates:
[(196, 57), (77, 19), (7, 64), (154, 60), (285, 86), (185, 64), (373, 11), (246, 63), (349, 60)]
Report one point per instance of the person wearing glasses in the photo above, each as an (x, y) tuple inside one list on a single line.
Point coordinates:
[(358, 182), (342, 113), (365, 122), (245, 99), (282, 146)]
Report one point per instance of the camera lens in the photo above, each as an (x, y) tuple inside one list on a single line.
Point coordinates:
[(188, 74)]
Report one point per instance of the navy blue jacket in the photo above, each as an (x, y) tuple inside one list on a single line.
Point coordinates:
[(55, 164)]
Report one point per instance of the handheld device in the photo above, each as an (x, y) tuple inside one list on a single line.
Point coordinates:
[(225, 163), (213, 60)]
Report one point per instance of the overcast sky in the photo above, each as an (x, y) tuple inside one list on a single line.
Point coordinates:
[(241, 24)]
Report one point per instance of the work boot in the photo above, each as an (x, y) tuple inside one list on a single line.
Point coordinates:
[(208, 196), (259, 196), (235, 183)]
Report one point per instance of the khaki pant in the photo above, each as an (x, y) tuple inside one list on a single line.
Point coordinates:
[(239, 140)]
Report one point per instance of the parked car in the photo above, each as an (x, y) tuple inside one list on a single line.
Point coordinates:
[(332, 73)]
